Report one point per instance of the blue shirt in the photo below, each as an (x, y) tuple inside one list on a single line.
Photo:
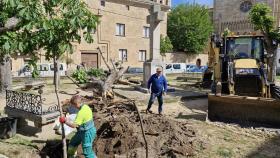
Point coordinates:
[(158, 83)]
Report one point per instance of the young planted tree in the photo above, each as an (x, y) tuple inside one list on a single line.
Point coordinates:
[(165, 45), (189, 27), (263, 21), (30, 26)]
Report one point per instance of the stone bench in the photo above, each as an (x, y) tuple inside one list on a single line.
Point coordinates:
[(27, 106)]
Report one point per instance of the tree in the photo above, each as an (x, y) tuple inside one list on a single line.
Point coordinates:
[(30, 26), (48, 25), (165, 45), (262, 20), (189, 27)]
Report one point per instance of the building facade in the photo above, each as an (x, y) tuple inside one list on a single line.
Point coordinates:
[(123, 34), (233, 14)]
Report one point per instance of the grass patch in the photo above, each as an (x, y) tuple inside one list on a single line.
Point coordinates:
[(227, 136), (171, 100), (225, 152), (278, 78), (17, 140)]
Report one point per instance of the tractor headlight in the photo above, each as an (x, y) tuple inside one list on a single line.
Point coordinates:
[(245, 71)]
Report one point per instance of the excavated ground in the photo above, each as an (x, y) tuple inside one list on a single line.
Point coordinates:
[(119, 134)]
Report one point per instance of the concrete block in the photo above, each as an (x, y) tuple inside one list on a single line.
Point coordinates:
[(159, 16), (141, 89), (156, 8)]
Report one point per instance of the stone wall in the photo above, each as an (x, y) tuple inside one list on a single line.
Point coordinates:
[(181, 57)]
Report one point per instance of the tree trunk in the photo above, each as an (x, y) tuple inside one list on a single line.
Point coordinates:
[(113, 77), (56, 79), (105, 87), (272, 52), (272, 67), (5, 74), (56, 84)]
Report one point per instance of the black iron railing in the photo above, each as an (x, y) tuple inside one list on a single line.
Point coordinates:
[(27, 102)]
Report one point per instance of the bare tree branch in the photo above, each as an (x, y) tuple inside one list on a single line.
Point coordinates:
[(109, 68), (113, 64)]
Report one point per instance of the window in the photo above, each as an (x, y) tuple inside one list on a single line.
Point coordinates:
[(146, 32), (122, 54), (127, 7), (177, 66), (142, 55), (102, 3), (169, 66), (279, 61), (44, 67), (93, 31), (27, 68), (52, 67), (120, 30)]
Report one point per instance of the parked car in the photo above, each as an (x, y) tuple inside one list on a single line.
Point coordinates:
[(45, 70), (195, 69), (135, 70), (175, 68), (189, 67)]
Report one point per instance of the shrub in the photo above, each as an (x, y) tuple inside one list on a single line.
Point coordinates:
[(94, 72), (80, 76)]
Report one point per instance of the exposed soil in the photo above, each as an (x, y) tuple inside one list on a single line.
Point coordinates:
[(119, 133)]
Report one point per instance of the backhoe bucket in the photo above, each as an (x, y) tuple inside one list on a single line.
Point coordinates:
[(244, 110)]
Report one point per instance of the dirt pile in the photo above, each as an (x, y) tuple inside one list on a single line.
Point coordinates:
[(119, 133)]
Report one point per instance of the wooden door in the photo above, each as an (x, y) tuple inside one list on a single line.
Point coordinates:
[(90, 60)]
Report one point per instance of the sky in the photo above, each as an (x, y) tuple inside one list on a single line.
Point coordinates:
[(204, 2)]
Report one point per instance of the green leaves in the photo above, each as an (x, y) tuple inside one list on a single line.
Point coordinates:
[(189, 28), (7, 46), (165, 45), (260, 16), (50, 26), (94, 72), (80, 76)]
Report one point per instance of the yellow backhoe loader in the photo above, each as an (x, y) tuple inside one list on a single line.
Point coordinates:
[(241, 92)]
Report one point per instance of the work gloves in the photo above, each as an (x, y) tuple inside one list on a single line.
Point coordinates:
[(62, 119)]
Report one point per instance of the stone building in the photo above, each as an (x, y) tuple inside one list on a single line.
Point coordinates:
[(233, 14), (123, 34)]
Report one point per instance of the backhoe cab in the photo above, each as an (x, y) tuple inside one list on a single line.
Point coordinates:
[(243, 69)]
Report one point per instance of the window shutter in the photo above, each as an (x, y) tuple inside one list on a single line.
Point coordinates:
[(120, 55), (139, 56), (117, 29)]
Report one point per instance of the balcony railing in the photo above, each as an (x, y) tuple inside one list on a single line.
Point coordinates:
[(28, 102)]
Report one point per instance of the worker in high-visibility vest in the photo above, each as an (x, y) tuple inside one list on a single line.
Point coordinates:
[(86, 131)]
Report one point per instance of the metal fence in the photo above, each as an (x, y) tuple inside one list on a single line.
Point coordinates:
[(27, 102)]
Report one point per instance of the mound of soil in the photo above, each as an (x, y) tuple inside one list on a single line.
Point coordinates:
[(119, 133)]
